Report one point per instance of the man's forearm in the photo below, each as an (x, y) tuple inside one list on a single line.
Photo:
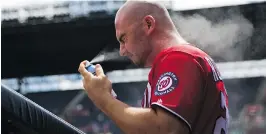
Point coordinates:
[(129, 119)]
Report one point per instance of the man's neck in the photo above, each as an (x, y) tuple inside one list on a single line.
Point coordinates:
[(162, 44)]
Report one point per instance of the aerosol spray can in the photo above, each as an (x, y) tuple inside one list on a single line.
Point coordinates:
[(91, 68)]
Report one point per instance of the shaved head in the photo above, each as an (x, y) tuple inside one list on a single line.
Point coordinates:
[(141, 28), (135, 11)]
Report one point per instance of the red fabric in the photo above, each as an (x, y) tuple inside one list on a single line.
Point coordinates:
[(186, 82)]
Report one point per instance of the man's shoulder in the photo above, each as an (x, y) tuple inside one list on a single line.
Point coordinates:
[(179, 54), (189, 49), (178, 51)]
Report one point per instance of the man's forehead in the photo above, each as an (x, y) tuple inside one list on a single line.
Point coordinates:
[(119, 19), (118, 33), (119, 24), (117, 27)]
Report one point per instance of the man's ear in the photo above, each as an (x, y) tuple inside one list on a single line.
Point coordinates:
[(149, 24)]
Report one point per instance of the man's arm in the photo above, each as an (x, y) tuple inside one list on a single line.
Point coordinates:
[(132, 120)]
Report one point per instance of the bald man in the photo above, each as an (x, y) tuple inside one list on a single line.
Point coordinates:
[(185, 93)]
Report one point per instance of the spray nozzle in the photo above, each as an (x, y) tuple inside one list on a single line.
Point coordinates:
[(87, 63)]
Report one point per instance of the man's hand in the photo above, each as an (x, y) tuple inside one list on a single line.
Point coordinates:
[(96, 86)]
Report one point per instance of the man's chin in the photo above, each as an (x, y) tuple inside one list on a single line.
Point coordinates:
[(138, 63)]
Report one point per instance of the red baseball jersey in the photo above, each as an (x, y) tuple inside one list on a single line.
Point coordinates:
[(186, 82)]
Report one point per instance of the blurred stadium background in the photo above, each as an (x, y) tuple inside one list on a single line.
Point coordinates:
[(43, 43)]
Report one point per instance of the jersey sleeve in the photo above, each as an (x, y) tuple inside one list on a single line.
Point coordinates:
[(177, 86)]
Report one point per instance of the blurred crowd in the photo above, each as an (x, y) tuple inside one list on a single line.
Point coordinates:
[(89, 119)]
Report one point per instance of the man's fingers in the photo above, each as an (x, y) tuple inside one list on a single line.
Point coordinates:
[(83, 81), (99, 70), (82, 70)]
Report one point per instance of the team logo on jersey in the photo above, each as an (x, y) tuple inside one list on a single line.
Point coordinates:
[(167, 83)]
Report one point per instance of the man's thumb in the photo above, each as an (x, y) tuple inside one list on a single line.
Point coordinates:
[(99, 70)]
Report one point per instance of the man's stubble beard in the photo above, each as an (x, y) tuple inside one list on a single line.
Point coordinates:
[(143, 59), (144, 55), (138, 63)]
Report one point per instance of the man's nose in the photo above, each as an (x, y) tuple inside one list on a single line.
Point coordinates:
[(122, 51)]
